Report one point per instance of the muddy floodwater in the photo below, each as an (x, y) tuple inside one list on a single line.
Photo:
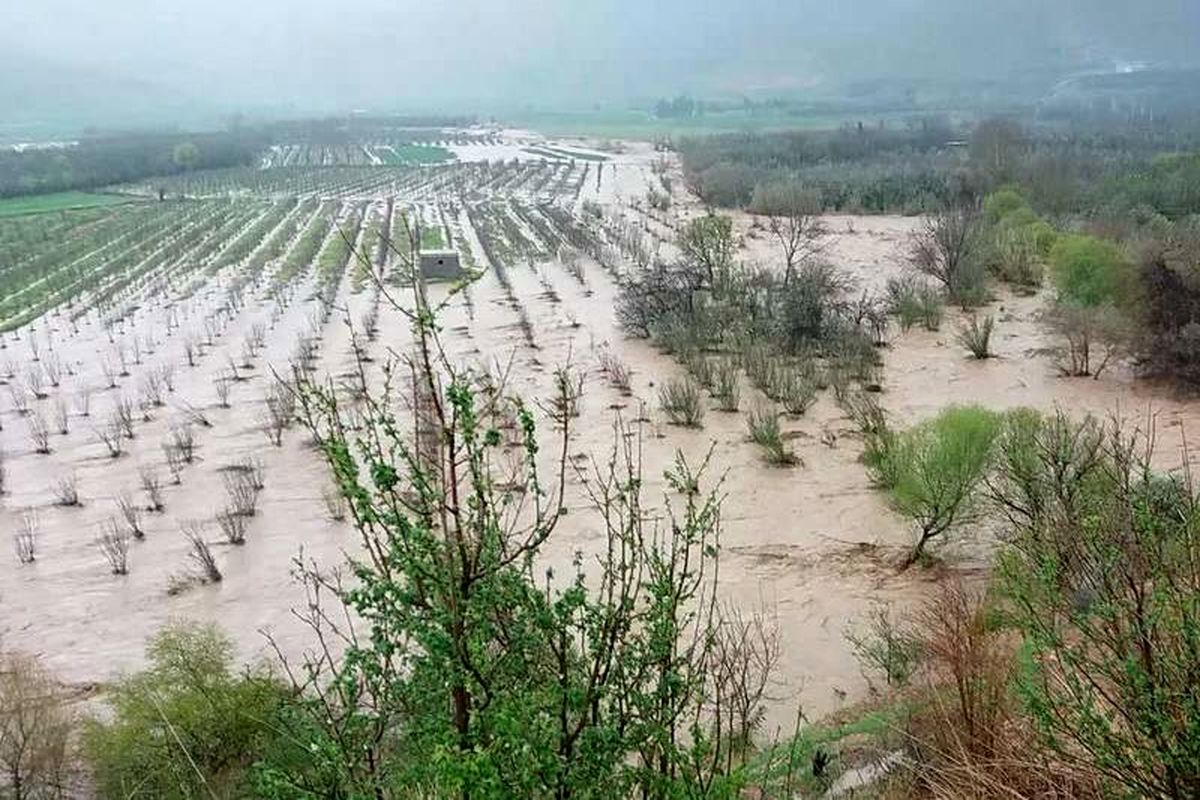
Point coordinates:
[(814, 545)]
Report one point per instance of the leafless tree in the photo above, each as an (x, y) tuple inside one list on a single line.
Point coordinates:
[(52, 365), (122, 416), (152, 486), (131, 512), (110, 374), (201, 554), (20, 398), (25, 539), (135, 350), (66, 491), (190, 350), (195, 416), (184, 440), (62, 418), (243, 496), (947, 249), (174, 461), (232, 525), (254, 471), (221, 384), (34, 382), (151, 387), (114, 546), (111, 437), (39, 434), (83, 402), (3, 473), (166, 373)]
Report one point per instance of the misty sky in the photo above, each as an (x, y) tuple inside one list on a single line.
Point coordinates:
[(469, 54)]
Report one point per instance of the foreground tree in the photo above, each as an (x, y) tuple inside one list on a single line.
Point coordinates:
[(473, 672), (35, 727), (1101, 581)]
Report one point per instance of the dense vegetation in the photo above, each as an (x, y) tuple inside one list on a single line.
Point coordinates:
[(103, 160)]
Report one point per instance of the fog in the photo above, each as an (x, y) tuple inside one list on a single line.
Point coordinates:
[(195, 57)]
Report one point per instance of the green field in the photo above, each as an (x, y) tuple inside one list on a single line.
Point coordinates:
[(60, 201)]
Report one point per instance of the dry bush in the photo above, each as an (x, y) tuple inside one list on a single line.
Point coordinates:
[(62, 418), (114, 546), (20, 398), (131, 513), (1092, 338), (25, 539), (616, 371), (152, 486), (966, 735), (191, 349), (243, 494), (83, 402), (66, 491), (252, 467), (232, 525), (3, 474), (183, 441), (52, 366), (34, 382), (200, 553), (39, 434), (152, 388), (174, 460), (35, 731), (109, 373), (122, 416), (112, 437), (221, 384)]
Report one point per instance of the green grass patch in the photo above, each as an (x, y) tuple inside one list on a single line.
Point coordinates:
[(59, 201), (432, 238), (418, 154)]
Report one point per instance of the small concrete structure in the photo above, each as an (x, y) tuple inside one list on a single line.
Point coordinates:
[(440, 265)]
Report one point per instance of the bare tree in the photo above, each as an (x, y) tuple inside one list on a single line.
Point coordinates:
[(183, 439), (53, 369), (39, 434), (131, 513), (20, 398), (793, 220), (83, 402), (947, 248), (335, 503), (66, 491), (152, 486), (221, 384), (174, 461), (62, 418), (232, 525), (151, 387), (190, 350), (243, 496), (34, 382), (110, 374), (111, 437), (122, 416), (25, 539), (3, 473), (114, 546), (201, 554)]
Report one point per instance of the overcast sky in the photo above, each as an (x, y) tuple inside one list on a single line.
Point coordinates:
[(496, 53)]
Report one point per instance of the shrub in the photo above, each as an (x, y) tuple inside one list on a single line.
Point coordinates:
[(937, 468), (949, 249), (1088, 271), (187, 726), (765, 432), (883, 644), (683, 403), (1099, 579), (914, 302), (726, 385), (976, 337)]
